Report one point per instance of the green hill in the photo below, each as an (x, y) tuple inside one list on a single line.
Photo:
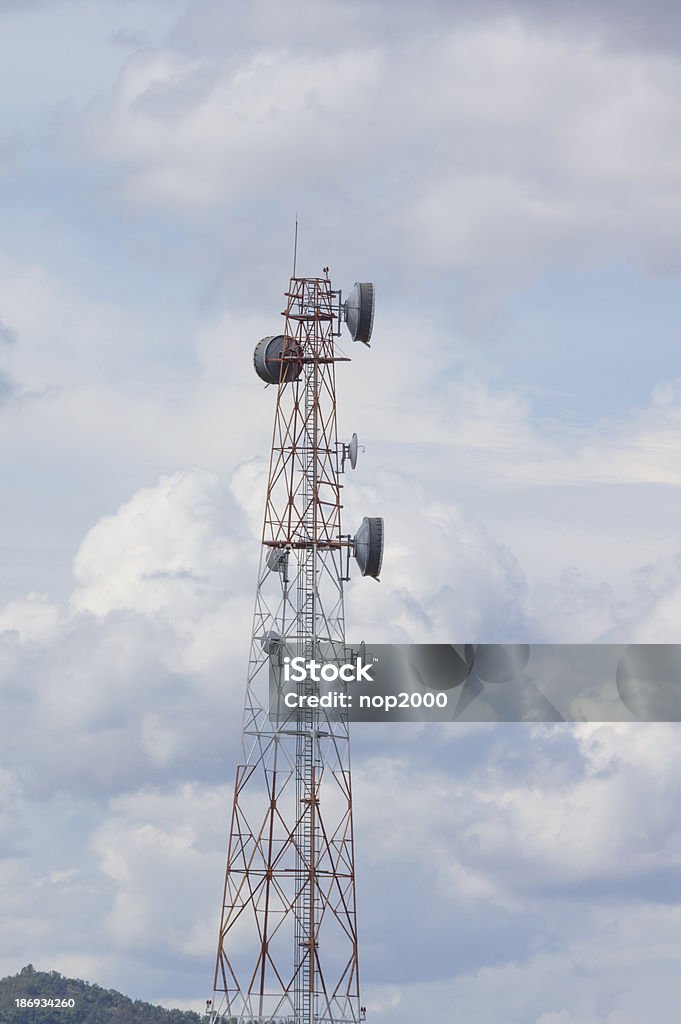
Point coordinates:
[(85, 1003)]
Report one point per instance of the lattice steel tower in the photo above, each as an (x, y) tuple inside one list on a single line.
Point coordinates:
[(287, 950)]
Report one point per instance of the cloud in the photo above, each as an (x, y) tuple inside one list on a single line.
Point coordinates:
[(192, 164), (567, 845), (606, 977), (132, 703), (481, 878), (12, 835), (7, 6), (7, 334), (453, 154), (520, 141), (649, 615), (443, 435), (595, 817), (206, 26), (129, 40), (161, 553), (461, 583), (8, 388), (34, 618), (152, 844), (129, 677)]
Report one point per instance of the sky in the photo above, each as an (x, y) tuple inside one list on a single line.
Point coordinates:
[(509, 175)]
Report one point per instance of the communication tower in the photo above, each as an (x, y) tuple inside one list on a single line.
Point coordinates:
[(287, 948)]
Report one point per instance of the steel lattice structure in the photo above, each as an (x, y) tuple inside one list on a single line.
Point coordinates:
[(287, 949)]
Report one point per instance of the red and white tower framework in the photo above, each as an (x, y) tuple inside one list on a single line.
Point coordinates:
[(287, 949)]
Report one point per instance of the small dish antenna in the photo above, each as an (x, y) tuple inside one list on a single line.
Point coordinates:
[(270, 642), (350, 451), (358, 311), (368, 546), (274, 363), (277, 561)]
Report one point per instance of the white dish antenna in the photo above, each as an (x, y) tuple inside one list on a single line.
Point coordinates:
[(271, 641), (353, 448), (277, 561), (368, 546), (350, 452), (358, 311)]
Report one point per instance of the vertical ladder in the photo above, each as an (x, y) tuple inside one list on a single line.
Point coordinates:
[(306, 839)]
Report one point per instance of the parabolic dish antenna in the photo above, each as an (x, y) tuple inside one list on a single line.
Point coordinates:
[(277, 560), (368, 546), (358, 311), (270, 363), (270, 642), (353, 448)]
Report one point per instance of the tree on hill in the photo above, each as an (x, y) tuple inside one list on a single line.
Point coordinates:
[(91, 1004)]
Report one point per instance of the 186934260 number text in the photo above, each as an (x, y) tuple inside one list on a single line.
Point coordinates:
[(64, 1004)]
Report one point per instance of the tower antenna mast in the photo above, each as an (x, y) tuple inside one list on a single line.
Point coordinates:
[(287, 948)]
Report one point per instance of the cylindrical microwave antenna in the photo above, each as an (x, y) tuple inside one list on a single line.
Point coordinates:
[(276, 361)]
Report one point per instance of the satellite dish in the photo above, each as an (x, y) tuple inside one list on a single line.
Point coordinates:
[(277, 561), (273, 364), (368, 546), (352, 450), (270, 642), (358, 311)]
